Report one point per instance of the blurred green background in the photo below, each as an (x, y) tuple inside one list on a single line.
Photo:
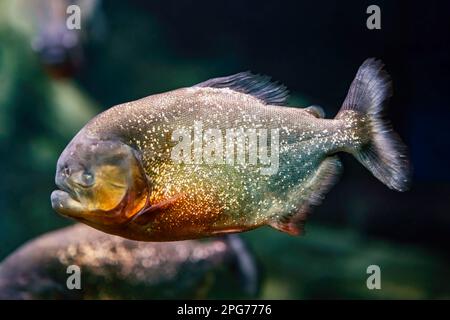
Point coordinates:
[(128, 50)]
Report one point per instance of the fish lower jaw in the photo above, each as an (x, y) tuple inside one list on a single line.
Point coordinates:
[(65, 204)]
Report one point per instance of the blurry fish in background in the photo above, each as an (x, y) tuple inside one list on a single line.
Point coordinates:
[(60, 49), (116, 268)]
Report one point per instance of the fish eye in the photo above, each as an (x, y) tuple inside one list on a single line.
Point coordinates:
[(87, 179)]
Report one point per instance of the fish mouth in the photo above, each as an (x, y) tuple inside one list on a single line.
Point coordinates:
[(66, 204), (65, 187)]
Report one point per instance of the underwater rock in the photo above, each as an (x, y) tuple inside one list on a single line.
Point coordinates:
[(116, 268)]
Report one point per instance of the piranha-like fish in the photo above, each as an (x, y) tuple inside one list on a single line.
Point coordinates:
[(54, 35), (222, 156)]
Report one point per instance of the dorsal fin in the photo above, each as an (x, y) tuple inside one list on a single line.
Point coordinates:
[(258, 86)]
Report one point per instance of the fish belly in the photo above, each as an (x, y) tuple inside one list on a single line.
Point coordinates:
[(223, 197)]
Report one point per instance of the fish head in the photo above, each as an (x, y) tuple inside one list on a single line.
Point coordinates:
[(101, 182)]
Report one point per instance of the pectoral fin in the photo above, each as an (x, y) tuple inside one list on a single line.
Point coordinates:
[(145, 215)]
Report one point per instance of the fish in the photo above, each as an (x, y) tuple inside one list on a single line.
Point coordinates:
[(223, 156), (113, 267), (59, 30)]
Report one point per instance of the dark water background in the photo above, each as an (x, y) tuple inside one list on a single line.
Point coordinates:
[(314, 48)]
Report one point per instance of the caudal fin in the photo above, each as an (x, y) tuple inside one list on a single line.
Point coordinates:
[(384, 155)]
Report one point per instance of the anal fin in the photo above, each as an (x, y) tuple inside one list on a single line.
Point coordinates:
[(311, 193)]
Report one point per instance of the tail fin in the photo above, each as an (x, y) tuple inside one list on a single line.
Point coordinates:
[(385, 154)]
